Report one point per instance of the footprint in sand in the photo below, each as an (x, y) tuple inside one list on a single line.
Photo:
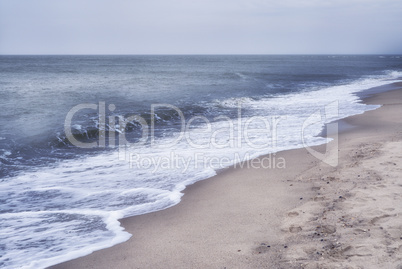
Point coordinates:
[(319, 198), (326, 229), (293, 214), (295, 229), (379, 219)]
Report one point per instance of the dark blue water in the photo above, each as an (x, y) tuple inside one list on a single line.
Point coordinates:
[(48, 184)]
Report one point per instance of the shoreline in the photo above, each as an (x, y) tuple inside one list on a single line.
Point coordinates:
[(259, 218)]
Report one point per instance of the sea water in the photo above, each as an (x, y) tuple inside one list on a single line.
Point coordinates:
[(148, 126)]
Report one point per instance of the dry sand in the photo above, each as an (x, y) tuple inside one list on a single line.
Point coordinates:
[(307, 215)]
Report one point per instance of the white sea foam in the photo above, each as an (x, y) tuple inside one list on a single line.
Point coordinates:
[(69, 210)]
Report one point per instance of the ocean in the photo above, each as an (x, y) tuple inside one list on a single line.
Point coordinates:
[(87, 140)]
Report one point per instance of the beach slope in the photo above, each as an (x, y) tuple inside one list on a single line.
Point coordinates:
[(306, 214)]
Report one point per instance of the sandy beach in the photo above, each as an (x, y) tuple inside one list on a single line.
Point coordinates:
[(305, 215)]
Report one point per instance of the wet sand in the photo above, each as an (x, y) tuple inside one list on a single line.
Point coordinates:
[(307, 214)]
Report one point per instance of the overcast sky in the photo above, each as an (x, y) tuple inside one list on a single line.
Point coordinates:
[(200, 27)]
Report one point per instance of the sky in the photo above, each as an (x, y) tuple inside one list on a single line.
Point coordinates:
[(201, 27)]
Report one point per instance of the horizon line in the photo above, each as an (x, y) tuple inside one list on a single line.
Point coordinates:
[(194, 54)]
